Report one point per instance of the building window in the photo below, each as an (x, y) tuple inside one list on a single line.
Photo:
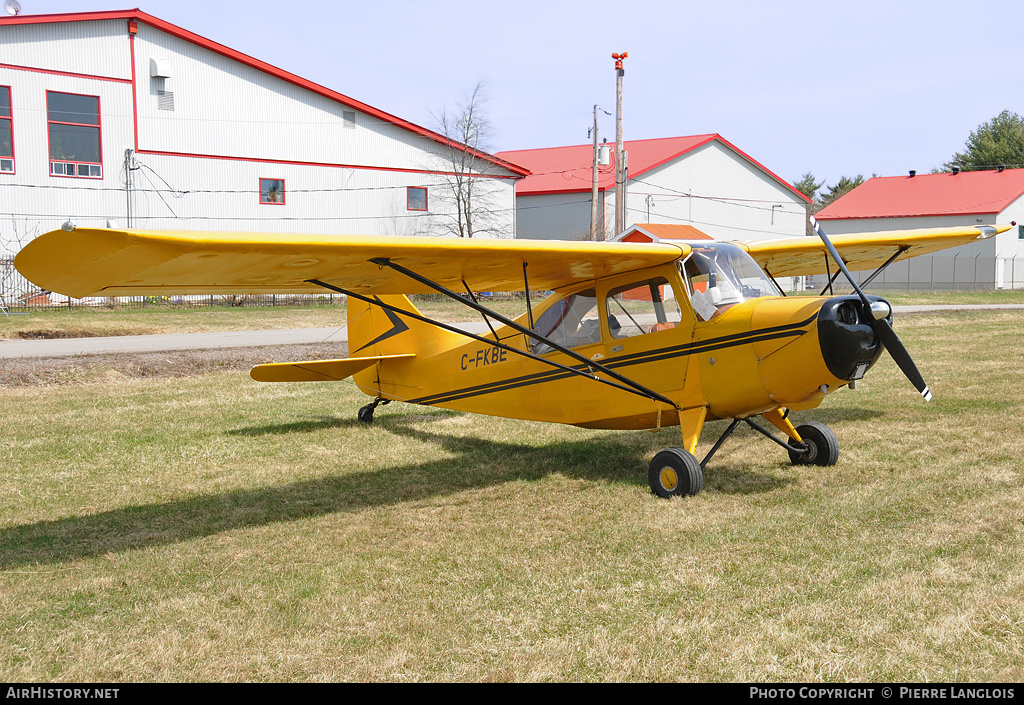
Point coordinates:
[(348, 119), (74, 126), (1020, 232), (6, 132), (416, 198), (272, 191)]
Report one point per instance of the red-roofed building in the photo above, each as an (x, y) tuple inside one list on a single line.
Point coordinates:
[(657, 232), (699, 180), (941, 200)]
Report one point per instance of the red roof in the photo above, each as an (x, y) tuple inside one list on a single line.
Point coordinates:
[(176, 31), (966, 193), (570, 169), (655, 232)]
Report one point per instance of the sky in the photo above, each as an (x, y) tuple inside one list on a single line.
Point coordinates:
[(832, 89)]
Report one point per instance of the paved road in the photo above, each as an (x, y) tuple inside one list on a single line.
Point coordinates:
[(69, 347)]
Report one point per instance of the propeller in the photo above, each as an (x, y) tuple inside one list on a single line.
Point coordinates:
[(876, 315)]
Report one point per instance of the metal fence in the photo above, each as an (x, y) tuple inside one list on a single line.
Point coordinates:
[(940, 273), (936, 274)]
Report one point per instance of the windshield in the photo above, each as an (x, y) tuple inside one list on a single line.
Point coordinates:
[(720, 275)]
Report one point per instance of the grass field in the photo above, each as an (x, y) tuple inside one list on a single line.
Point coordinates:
[(216, 529)]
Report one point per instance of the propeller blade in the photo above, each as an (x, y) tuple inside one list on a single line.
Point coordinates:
[(839, 261), (882, 329), (899, 353)]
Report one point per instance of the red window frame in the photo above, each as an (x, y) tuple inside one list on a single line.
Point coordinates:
[(9, 118), (272, 203), (76, 163), (408, 200)]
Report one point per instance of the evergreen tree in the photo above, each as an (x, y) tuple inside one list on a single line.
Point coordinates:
[(998, 142)]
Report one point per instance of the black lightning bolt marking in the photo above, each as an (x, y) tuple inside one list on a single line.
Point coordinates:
[(397, 326)]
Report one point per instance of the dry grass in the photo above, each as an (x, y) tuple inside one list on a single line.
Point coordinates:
[(215, 529)]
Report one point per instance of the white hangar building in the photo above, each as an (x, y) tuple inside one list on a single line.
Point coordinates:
[(121, 119), (699, 180), (960, 198)]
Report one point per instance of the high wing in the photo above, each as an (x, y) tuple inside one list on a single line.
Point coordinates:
[(807, 255), (108, 262)]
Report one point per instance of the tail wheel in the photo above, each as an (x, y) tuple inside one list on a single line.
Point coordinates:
[(675, 473), (822, 446), (366, 413)]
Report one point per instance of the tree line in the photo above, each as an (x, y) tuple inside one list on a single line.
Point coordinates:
[(996, 143)]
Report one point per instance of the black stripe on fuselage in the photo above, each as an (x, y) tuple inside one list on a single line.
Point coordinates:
[(728, 341)]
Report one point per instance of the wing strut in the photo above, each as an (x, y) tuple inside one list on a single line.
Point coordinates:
[(900, 251), (526, 288), (773, 281), (632, 388)]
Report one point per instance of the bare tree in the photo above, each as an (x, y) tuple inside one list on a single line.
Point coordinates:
[(470, 194)]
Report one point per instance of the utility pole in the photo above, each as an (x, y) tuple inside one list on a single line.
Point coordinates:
[(594, 230), (128, 185), (620, 181), (593, 189)]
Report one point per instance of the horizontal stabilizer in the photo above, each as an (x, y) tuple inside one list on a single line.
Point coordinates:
[(317, 370)]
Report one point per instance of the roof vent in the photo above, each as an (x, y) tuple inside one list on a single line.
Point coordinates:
[(1001, 168), (913, 173), (956, 170)]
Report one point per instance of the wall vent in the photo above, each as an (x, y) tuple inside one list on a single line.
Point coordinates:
[(165, 100), (349, 117)]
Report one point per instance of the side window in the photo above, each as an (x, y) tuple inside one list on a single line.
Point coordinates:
[(6, 132), (643, 307), (272, 191), (416, 198), (569, 322), (74, 126)]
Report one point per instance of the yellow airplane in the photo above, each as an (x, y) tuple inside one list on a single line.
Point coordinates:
[(634, 336)]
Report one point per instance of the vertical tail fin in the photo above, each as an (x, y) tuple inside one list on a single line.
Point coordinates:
[(374, 330)]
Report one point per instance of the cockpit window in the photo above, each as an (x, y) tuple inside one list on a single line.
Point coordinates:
[(570, 322), (721, 275), (643, 307)]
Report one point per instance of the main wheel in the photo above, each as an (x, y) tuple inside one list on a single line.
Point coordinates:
[(674, 473), (822, 445)]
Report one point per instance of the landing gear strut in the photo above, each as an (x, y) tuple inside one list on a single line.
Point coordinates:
[(366, 412)]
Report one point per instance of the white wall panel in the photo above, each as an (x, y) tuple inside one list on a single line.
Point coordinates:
[(224, 107), (59, 47)]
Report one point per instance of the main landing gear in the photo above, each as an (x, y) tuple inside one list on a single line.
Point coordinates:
[(675, 472)]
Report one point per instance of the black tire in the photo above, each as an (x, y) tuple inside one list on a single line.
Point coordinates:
[(822, 445), (675, 473), (366, 413)]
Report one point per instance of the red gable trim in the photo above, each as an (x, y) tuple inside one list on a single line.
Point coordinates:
[(16, 67), (238, 56)]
